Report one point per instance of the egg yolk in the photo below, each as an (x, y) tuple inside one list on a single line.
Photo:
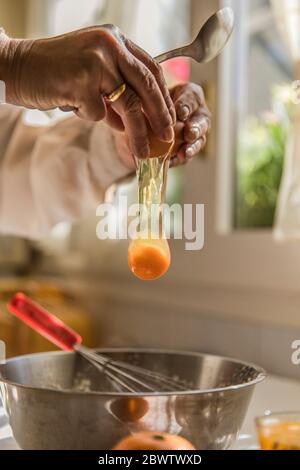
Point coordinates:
[(149, 259)]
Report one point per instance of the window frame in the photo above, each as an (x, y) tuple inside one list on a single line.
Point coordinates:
[(255, 260), (245, 274)]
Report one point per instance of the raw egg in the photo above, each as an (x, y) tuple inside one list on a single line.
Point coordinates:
[(149, 259), (159, 148)]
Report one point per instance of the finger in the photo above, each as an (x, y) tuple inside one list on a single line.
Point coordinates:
[(157, 71), (174, 162), (129, 108), (188, 99), (91, 107), (113, 119), (144, 84), (189, 151), (196, 127), (179, 160), (68, 109)]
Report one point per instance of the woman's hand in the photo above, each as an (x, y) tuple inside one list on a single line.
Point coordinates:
[(76, 70), (192, 111), (193, 124)]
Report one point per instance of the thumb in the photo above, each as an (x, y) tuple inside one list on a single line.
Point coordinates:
[(114, 120), (92, 108)]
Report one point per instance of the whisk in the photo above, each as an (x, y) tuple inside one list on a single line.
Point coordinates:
[(127, 377)]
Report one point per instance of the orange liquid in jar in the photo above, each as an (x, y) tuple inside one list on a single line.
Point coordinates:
[(280, 436)]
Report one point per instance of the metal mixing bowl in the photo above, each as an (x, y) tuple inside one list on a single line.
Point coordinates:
[(58, 400)]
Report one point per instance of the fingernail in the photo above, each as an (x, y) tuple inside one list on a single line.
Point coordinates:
[(196, 132), (183, 112), (189, 152), (168, 134), (172, 112), (173, 116), (203, 126)]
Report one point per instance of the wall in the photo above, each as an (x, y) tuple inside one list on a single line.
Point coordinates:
[(188, 308), (205, 302), (13, 16)]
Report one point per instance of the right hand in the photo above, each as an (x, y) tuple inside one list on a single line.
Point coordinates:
[(193, 124), (76, 70)]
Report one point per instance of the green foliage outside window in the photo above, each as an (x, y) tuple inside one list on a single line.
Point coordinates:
[(260, 159)]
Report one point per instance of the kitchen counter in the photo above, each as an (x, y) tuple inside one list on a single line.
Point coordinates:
[(274, 394)]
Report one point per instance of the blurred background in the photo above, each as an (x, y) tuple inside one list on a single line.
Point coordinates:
[(240, 295)]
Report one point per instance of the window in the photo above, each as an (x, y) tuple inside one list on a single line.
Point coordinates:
[(260, 97)]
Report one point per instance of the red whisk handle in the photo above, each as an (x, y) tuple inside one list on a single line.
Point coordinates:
[(43, 322)]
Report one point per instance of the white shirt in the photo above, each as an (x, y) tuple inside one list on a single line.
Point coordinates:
[(54, 173)]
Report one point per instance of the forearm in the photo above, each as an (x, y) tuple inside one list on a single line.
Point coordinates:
[(10, 65), (8, 50)]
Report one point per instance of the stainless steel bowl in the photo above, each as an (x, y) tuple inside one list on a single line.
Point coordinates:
[(59, 401)]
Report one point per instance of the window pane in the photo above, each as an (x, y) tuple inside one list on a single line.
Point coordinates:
[(263, 119)]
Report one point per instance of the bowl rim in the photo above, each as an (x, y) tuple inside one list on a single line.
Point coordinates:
[(237, 387)]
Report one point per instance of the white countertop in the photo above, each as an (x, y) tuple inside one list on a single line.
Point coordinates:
[(274, 394)]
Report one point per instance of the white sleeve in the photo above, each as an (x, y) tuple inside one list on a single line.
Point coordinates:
[(52, 174)]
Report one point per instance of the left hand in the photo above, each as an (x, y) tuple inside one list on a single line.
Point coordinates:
[(193, 119), (192, 111)]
